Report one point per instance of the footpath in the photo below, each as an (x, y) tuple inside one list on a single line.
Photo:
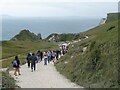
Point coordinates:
[(46, 76)]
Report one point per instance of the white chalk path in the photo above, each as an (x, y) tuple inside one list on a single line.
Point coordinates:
[(43, 77)]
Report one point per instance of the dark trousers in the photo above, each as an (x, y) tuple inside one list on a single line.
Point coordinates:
[(28, 61), (41, 58), (57, 57), (33, 65)]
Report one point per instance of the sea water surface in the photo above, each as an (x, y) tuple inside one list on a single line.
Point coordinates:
[(46, 26)]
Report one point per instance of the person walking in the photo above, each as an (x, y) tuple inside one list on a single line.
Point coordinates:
[(57, 54), (53, 55), (38, 56), (49, 56), (16, 65), (41, 55), (45, 56), (28, 59), (33, 62)]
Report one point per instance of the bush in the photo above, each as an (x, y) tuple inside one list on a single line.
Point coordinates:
[(92, 45), (7, 81), (95, 55)]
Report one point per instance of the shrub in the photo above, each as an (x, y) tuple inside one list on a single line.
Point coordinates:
[(7, 81), (92, 45)]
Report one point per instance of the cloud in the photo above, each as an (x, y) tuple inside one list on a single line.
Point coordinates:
[(57, 7)]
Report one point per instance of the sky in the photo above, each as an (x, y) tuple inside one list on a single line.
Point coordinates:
[(58, 8)]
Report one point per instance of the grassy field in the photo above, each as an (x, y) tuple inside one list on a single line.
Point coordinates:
[(21, 48), (97, 67)]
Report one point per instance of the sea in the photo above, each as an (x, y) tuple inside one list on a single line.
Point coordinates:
[(46, 26)]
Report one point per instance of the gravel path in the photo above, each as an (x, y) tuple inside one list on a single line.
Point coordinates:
[(44, 77)]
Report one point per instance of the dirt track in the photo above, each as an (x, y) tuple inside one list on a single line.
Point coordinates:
[(44, 77)]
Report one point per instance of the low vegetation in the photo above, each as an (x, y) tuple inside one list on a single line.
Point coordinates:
[(112, 17), (26, 35), (65, 37), (21, 48), (97, 67), (7, 81)]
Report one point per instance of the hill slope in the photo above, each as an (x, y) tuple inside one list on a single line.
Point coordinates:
[(112, 17), (97, 67), (25, 35), (65, 37)]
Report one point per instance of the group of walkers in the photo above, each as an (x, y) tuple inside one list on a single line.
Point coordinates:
[(33, 59), (46, 56)]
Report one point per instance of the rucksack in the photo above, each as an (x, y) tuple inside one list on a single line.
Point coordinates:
[(28, 56), (14, 63)]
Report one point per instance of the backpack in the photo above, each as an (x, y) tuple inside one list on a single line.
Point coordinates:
[(28, 56), (14, 63)]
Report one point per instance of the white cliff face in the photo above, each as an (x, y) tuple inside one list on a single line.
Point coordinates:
[(103, 21)]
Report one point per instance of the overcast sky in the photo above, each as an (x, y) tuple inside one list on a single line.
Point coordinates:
[(58, 8)]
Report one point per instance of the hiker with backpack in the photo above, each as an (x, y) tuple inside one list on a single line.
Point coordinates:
[(28, 59), (16, 65), (33, 62)]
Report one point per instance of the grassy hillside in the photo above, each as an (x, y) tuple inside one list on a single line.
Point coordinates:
[(21, 48), (66, 37), (97, 67), (26, 35), (112, 17)]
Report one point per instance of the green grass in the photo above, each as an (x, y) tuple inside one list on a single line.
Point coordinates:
[(98, 66), (26, 35), (12, 48), (7, 81), (66, 37), (112, 17)]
